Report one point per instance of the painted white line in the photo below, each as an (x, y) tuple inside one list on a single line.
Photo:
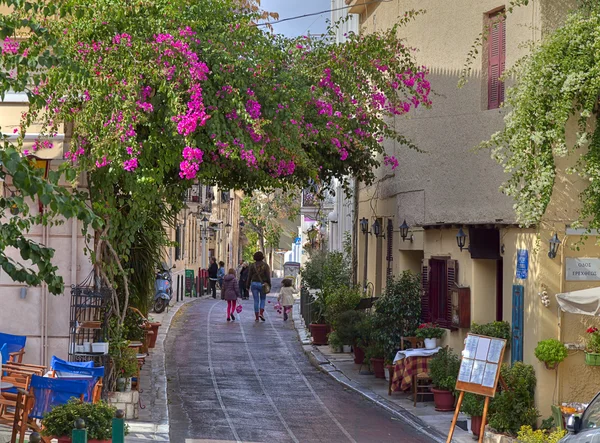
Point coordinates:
[(308, 385), (214, 379), (281, 419)]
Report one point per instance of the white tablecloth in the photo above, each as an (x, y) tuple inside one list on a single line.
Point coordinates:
[(421, 352)]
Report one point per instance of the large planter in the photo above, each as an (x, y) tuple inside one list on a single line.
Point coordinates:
[(154, 328), (378, 367), (359, 355), (68, 440), (430, 343), (592, 359), (121, 384), (476, 425), (443, 400), (319, 333)]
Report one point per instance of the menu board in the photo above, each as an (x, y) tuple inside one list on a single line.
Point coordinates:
[(480, 364)]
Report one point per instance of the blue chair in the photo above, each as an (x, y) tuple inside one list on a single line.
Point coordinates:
[(83, 364), (15, 345), (90, 375), (50, 392)]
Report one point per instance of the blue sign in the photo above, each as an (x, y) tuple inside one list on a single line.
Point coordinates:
[(522, 264), (297, 240)]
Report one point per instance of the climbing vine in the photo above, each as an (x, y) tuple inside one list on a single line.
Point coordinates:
[(558, 81)]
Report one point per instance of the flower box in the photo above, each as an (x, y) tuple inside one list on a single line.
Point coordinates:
[(592, 359)]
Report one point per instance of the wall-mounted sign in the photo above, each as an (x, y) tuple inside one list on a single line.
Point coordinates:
[(582, 269), (522, 264)]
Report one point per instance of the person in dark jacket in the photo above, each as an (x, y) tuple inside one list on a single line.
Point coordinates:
[(258, 275), (213, 269), (243, 280), (231, 292), (220, 277)]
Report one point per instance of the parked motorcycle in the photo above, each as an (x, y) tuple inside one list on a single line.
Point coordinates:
[(163, 289)]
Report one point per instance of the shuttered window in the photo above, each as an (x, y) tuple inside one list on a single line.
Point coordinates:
[(496, 59), (438, 278)]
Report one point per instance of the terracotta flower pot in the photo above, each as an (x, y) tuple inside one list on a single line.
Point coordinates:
[(154, 328), (359, 355), (319, 333), (444, 400), (68, 440), (378, 367), (476, 425)]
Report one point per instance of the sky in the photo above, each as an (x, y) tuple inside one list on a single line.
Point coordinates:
[(291, 8)]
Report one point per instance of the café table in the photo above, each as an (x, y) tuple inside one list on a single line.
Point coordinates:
[(408, 363)]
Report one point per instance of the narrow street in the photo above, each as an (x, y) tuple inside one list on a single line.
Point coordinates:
[(243, 381)]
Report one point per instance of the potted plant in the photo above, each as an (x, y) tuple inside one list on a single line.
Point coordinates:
[(364, 330), (443, 369), (153, 327), (551, 352), (347, 326), (592, 347), (59, 422), (497, 329), (125, 364), (375, 355), (430, 333), (472, 405), (335, 344), (319, 329)]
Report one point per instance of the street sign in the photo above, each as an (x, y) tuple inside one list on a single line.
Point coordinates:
[(297, 240)]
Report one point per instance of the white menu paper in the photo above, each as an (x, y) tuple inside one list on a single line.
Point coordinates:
[(489, 375), (477, 372), (495, 351), (482, 348), (466, 367), (470, 346)]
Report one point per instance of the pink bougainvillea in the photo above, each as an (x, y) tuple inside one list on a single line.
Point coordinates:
[(391, 161)]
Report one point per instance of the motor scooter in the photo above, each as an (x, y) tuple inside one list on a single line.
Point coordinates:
[(163, 289)]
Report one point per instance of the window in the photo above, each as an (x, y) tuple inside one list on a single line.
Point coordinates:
[(591, 416), (496, 58), (438, 280)]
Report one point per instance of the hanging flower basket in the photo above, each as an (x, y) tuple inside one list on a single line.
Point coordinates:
[(592, 359)]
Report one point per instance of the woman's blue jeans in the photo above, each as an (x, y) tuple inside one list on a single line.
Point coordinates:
[(259, 296)]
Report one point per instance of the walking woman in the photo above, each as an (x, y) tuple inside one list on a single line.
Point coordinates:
[(259, 282), (231, 292), (212, 276)]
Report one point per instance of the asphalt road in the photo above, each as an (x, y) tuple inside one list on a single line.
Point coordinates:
[(243, 381)]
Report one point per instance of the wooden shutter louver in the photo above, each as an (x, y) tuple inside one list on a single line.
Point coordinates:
[(390, 248), (425, 309), (496, 59), (451, 282)]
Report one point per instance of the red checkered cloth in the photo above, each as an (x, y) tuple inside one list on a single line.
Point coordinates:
[(405, 369)]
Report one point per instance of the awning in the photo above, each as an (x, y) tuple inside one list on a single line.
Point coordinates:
[(586, 301)]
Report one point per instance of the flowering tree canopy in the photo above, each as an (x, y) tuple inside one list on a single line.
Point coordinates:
[(157, 94)]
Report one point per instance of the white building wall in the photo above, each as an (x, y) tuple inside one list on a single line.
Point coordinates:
[(337, 13)]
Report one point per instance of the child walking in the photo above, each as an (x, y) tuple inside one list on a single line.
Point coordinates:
[(231, 292), (286, 297)]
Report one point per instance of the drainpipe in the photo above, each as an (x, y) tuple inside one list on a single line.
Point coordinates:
[(355, 235), (560, 313)]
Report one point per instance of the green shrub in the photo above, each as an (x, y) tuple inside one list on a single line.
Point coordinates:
[(443, 369), (326, 269), (340, 299), (59, 422), (550, 351), (515, 407), (497, 329), (347, 326), (397, 312), (472, 404), (528, 435), (334, 340)]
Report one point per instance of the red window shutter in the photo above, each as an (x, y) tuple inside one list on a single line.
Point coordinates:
[(496, 59), (451, 282), (425, 305)]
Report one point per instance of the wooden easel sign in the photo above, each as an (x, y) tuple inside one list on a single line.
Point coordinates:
[(479, 373)]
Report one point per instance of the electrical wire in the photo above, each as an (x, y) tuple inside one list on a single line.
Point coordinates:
[(312, 14)]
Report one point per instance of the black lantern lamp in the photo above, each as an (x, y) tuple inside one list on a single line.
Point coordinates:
[(461, 239), (364, 225), (554, 244), (404, 232), (377, 229), (242, 224)]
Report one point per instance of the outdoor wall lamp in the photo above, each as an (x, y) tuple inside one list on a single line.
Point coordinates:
[(461, 239), (554, 244), (364, 225), (377, 229), (404, 232)]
